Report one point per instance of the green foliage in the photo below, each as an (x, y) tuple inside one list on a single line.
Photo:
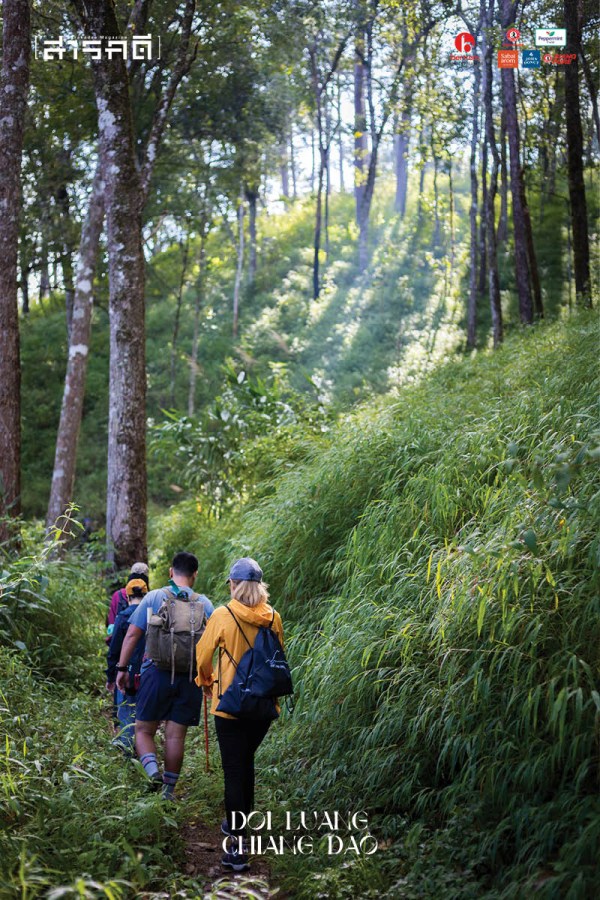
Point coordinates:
[(52, 612), (241, 439)]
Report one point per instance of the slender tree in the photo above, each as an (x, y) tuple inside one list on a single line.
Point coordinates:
[(115, 120), (490, 216), (63, 476), (509, 98), (320, 80), (239, 266), (14, 86), (579, 219)]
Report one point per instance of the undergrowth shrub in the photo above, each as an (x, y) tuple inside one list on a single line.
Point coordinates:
[(52, 611)]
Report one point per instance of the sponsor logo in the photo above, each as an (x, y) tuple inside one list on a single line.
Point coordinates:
[(142, 46), (464, 42), (531, 59), (513, 35), (508, 59), (560, 59), (550, 37)]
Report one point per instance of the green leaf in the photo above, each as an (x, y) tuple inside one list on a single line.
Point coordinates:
[(531, 540)]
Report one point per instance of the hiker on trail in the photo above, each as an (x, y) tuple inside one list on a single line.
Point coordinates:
[(119, 600), (167, 690), (233, 629), (136, 589)]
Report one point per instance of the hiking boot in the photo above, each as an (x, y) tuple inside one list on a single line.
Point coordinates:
[(225, 829), (236, 861), (155, 783)]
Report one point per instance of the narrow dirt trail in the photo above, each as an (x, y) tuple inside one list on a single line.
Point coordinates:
[(203, 851)]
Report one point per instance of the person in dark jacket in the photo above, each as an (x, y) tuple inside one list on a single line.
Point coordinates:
[(125, 700)]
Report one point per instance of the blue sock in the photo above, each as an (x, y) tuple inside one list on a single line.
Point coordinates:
[(169, 782), (148, 760)]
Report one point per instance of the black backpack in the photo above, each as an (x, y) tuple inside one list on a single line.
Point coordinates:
[(262, 675)]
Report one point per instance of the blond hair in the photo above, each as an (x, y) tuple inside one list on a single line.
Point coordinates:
[(250, 593)]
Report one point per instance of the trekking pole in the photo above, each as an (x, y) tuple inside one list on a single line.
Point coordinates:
[(206, 732)]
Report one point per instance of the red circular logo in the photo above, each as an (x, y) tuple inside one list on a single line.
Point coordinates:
[(547, 57), (464, 42), (513, 35)]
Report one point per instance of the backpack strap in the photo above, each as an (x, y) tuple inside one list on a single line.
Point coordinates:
[(239, 626), (228, 654)]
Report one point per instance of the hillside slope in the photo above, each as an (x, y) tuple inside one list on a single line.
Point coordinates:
[(436, 564)]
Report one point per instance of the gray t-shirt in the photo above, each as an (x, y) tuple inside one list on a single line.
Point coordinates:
[(151, 604), (153, 601)]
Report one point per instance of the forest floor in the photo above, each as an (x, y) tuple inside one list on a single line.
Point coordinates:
[(203, 849)]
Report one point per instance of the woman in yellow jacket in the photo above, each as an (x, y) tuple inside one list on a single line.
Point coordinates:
[(238, 738)]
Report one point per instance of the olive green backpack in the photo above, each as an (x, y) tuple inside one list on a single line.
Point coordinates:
[(173, 633)]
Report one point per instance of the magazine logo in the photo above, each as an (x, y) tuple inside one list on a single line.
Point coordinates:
[(550, 37), (465, 44), (560, 59), (140, 47), (531, 59), (508, 59)]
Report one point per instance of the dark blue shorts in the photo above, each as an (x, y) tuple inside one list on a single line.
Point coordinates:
[(159, 700)]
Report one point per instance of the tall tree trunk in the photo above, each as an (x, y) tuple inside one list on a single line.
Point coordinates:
[(67, 270), (436, 199), (503, 221), (473, 250), (492, 251), (482, 227), (123, 197), (401, 144), (313, 156), (44, 263), (177, 318), (63, 478), (66, 260), (340, 135), (516, 178), (14, 86), (361, 150), (318, 225), (452, 236), (365, 209), (284, 169), (24, 284), (126, 190), (196, 336), (579, 220), (252, 195), (591, 86), (293, 164), (422, 168), (239, 268)]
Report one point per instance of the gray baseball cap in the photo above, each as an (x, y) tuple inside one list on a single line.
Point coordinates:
[(246, 569)]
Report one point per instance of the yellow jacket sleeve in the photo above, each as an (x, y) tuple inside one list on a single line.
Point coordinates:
[(205, 649)]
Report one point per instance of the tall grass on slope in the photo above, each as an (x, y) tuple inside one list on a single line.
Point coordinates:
[(440, 566)]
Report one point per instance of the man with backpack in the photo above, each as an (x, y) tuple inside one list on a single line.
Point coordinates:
[(135, 590), (172, 619)]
